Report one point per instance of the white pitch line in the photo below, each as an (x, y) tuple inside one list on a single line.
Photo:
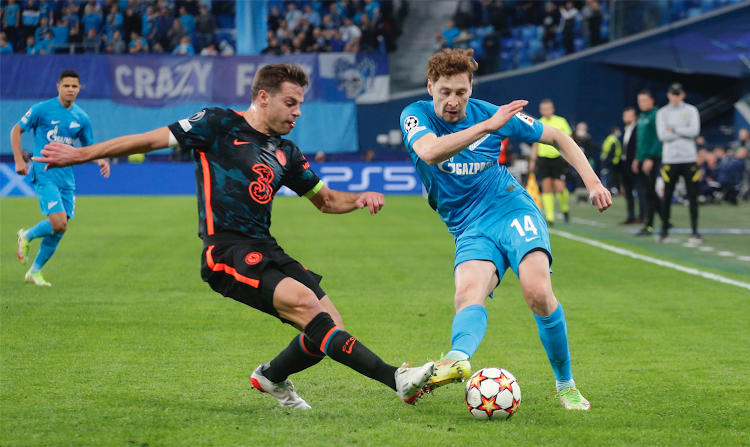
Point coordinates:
[(672, 265)]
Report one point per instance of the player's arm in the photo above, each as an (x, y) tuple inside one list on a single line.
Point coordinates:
[(331, 201), (433, 149), (22, 168), (60, 155), (598, 194)]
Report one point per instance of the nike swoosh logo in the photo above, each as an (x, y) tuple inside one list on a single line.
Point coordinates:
[(51, 204), (531, 239), (238, 142), (55, 122)]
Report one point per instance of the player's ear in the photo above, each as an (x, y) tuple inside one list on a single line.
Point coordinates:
[(429, 86)]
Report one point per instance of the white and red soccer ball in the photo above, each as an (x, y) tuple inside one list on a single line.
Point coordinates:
[(492, 393)]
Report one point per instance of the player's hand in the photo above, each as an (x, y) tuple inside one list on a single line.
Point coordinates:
[(601, 197), (57, 155), (22, 168), (634, 166), (372, 200), (104, 165), (648, 164), (505, 113)]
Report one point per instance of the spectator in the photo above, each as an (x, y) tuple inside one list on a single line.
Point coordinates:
[(273, 48), (731, 174), (74, 24), (292, 15), (162, 26), (108, 48), (335, 42), (327, 23), (131, 23), (568, 16), (11, 22), (30, 17), (205, 25), (319, 44), (312, 16), (677, 125), (320, 157), (369, 42), (450, 33), (335, 15), (41, 33), (302, 26), (592, 20), (158, 48), (371, 7), (72, 6), (118, 45), (648, 158), (91, 19), (225, 49), (351, 35), (5, 46), (743, 140), (114, 22), (184, 48), (629, 178), (92, 42), (209, 50), (491, 44), (147, 22), (283, 32), (583, 138), (700, 143), (135, 37), (60, 33), (274, 19), (464, 16), (707, 185), (94, 6), (187, 20), (368, 156), (550, 22), (31, 46), (46, 9), (175, 33), (47, 46), (298, 44)]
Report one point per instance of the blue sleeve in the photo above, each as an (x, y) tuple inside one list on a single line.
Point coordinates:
[(414, 124), (87, 134), (522, 128), (30, 119)]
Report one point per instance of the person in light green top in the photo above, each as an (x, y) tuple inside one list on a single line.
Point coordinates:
[(552, 167), (611, 156)]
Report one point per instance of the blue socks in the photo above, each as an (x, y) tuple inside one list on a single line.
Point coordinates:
[(469, 327), (42, 229), (553, 333), (47, 249)]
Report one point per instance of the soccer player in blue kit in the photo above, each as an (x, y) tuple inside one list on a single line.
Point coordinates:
[(56, 120), (454, 142)]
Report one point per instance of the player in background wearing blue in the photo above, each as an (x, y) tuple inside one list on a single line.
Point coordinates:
[(454, 142), (56, 120)]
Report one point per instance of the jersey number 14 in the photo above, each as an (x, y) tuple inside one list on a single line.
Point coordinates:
[(528, 226)]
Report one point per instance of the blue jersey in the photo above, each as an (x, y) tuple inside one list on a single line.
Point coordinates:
[(52, 122), (471, 183)]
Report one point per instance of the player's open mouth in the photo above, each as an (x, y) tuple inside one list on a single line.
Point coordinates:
[(292, 124)]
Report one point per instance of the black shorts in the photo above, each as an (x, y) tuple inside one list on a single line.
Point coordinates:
[(249, 270), (556, 168)]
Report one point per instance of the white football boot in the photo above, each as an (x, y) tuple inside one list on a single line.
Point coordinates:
[(411, 381), (283, 392)]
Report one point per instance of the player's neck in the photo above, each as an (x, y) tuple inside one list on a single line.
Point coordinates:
[(64, 103), (256, 119)]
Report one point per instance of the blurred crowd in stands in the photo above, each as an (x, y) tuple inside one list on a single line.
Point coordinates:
[(367, 26), (118, 26)]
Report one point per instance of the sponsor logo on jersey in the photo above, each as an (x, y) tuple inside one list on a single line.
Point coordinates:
[(253, 258), (525, 118), (474, 145), (74, 125), (25, 118), (186, 126), (52, 137), (281, 157), (464, 168)]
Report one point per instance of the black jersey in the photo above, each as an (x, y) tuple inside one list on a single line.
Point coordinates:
[(238, 170)]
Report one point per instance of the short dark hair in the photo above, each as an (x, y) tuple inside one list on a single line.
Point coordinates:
[(69, 74), (270, 78), (629, 109), (646, 92), (546, 101)]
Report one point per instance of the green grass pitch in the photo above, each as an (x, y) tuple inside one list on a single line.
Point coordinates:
[(130, 348)]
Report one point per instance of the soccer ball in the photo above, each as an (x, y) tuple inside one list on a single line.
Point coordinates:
[(492, 393)]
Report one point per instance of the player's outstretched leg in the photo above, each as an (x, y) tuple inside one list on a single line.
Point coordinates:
[(47, 249), (553, 332), (272, 377), (474, 282)]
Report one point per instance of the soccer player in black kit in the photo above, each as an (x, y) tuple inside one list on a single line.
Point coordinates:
[(241, 162)]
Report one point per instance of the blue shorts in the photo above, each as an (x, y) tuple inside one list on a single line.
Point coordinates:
[(504, 236), (54, 199)]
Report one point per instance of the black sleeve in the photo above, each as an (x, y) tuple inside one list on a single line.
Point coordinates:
[(196, 132), (299, 177)]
